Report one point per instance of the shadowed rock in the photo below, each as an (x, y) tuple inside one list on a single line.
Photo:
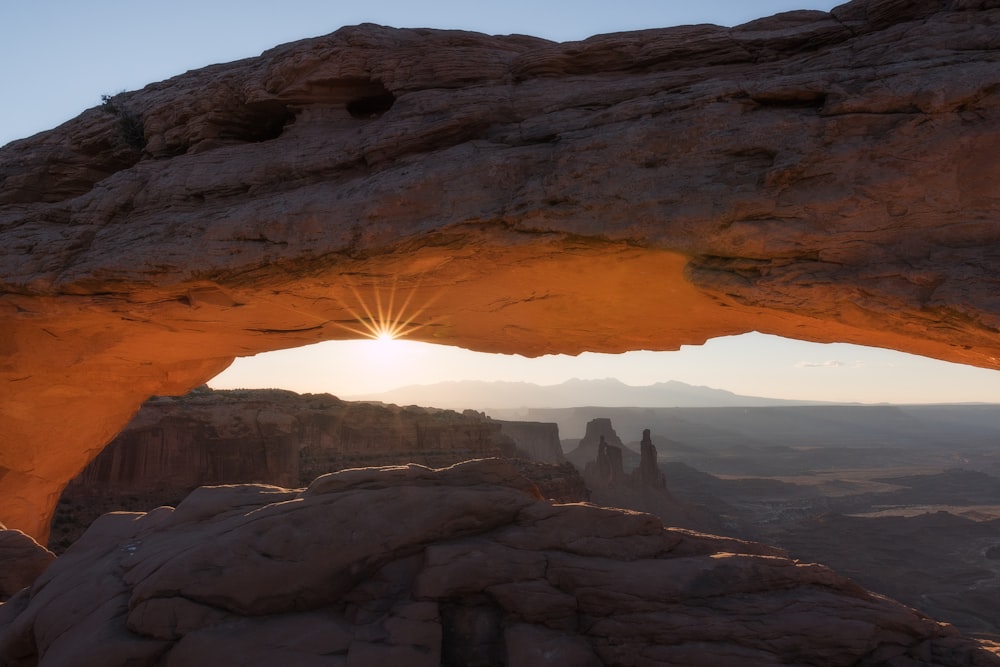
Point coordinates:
[(824, 176), (648, 473), (212, 437), (589, 451), (459, 566), (537, 440), (22, 560)]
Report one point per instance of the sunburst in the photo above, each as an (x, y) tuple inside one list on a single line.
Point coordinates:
[(380, 319)]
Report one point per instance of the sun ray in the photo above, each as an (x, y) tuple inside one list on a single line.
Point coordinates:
[(379, 318)]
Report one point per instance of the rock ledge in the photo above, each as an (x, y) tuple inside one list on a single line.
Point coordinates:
[(457, 566)]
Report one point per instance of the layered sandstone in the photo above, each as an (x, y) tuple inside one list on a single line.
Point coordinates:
[(211, 437), (617, 476), (825, 176), (462, 566), (601, 430), (648, 473), (539, 441), (279, 437)]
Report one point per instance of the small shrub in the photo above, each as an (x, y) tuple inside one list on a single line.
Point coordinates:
[(129, 122)]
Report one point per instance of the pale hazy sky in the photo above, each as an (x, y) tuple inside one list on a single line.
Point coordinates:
[(60, 56)]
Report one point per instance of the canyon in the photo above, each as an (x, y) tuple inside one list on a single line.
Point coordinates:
[(243, 441), (825, 483), (827, 176), (174, 445), (823, 176)]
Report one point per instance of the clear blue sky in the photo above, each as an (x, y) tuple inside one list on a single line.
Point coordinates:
[(60, 56)]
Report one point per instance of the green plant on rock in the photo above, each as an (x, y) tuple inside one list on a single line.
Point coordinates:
[(129, 122)]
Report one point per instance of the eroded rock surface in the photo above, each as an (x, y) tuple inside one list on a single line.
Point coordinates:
[(460, 566), (211, 437), (598, 430), (825, 176), (22, 560), (619, 477), (648, 473), (539, 441)]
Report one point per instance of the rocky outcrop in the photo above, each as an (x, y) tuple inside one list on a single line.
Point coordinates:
[(600, 430), (208, 437), (538, 441), (279, 437), (560, 483), (22, 560), (461, 566), (937, 561), (637, 485), (648, 473), (825, 176), (607, 469)]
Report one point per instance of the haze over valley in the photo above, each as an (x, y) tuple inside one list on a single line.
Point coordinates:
[(607, 392)]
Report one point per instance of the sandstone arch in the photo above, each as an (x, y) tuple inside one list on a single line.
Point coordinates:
[(829, 177)]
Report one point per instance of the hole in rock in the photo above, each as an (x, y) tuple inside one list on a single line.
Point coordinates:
[(791, 99), (258, 121), (371, 106)]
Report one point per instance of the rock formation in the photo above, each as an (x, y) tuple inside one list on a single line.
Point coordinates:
[(642, 488), (609, 464), (280, 437), (559, 483), (22, 560), (539, 441), (174, 445), (824, 176), (600, 430), (935, 561), (479, 572), (648, 473)]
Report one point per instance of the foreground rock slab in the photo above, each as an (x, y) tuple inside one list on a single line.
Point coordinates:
[(465, 565), (22, 560)]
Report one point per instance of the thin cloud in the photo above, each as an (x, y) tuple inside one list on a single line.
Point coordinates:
[(832, 363)]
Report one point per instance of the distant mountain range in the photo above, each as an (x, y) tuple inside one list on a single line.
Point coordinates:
[(609, 392)]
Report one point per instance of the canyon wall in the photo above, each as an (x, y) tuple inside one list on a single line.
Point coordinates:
[(209, 437), (823, 176), (538, 441), (279, 437)]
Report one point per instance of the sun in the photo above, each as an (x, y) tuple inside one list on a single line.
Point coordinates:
[(385, 342), (383, 352), (383, 320)]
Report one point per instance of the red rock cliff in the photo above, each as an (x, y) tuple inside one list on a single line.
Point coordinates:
[(174, 445), (539, 441), (279, 437)]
